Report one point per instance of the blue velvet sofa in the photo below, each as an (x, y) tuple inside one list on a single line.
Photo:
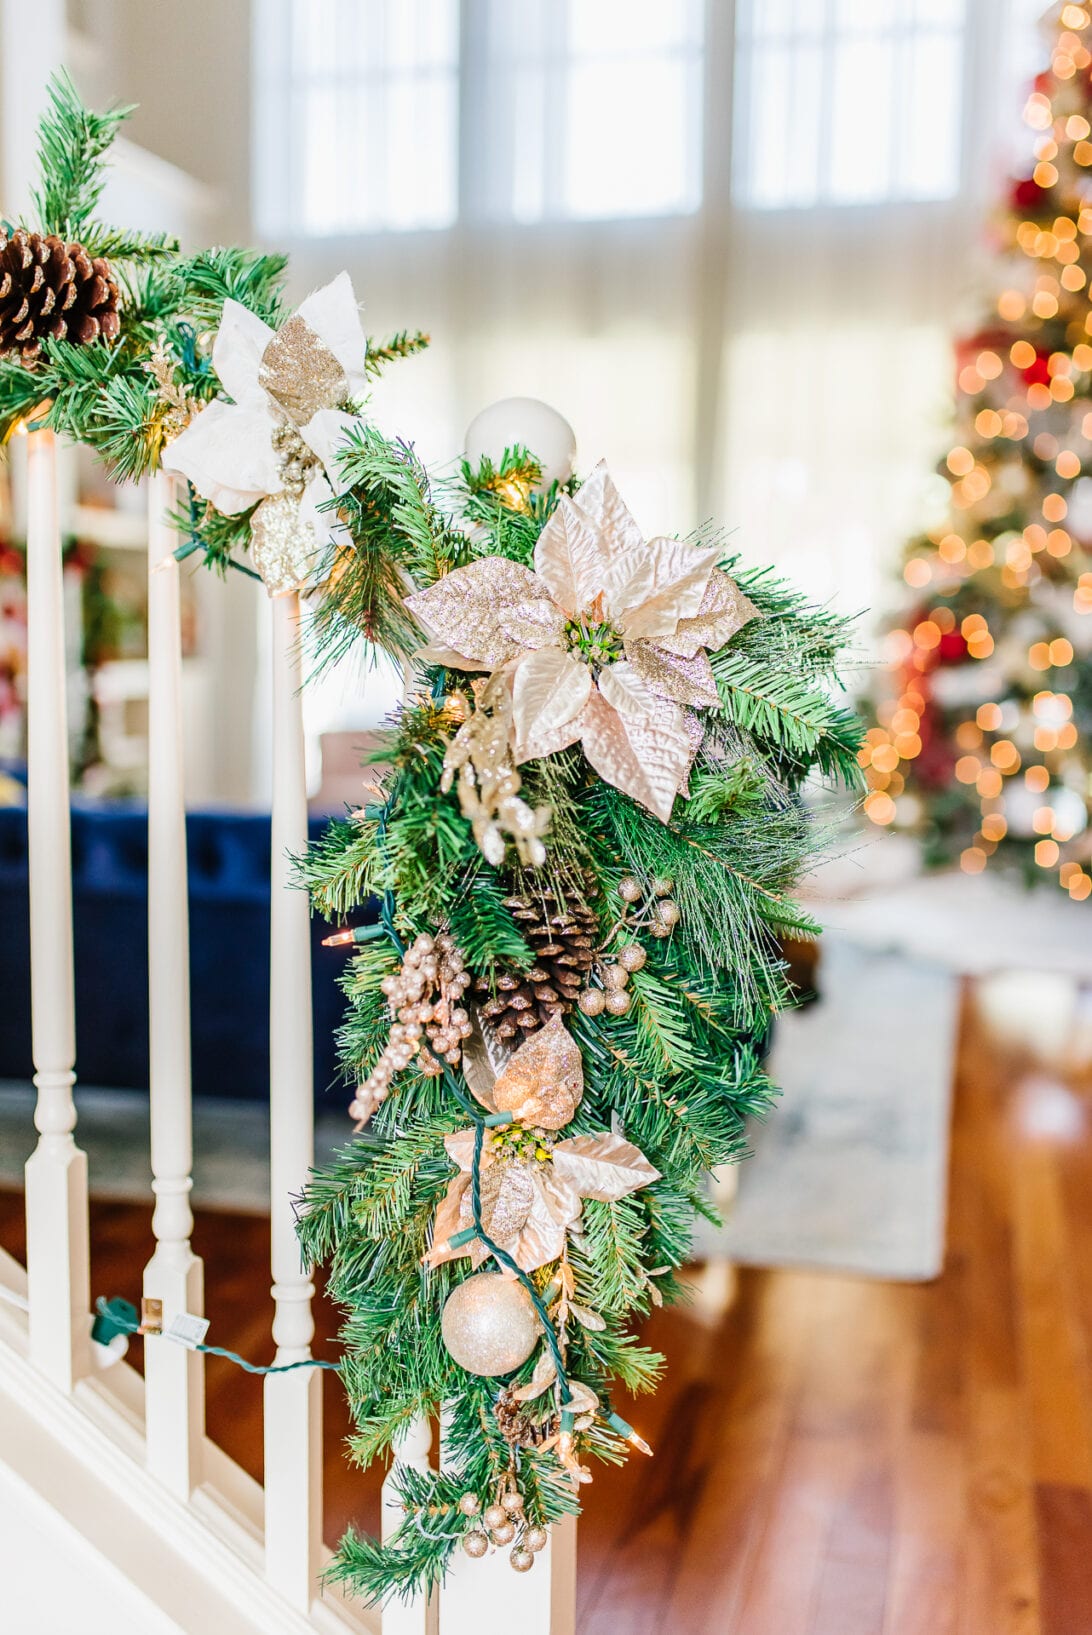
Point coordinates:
[(229, 953)]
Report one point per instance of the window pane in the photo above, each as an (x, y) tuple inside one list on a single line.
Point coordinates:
[(929, 145), (373, 86), (860, 139), (630, 138), (612, 27), (865, 107)]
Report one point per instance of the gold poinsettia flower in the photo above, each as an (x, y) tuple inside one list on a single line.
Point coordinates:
[(532, 1191), (604, 643)]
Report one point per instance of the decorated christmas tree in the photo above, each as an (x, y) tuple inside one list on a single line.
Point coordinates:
[(982, 742), (562, 904)]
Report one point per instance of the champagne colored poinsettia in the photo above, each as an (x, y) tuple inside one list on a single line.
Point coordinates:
[(276, 442), (532, 1191), (605, 643)]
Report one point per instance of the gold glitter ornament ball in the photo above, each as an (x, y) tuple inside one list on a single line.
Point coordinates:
[(489, 1324)]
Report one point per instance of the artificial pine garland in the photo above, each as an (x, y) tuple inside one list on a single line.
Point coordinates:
[(591, 801)]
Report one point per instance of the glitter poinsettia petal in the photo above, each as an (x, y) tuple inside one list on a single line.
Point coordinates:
[(724, 610), (473, 608)]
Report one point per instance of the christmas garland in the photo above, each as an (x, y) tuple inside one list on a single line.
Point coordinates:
[(565, 896)]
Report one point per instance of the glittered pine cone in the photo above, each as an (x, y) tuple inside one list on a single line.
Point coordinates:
[(50, 288), (562, 931)]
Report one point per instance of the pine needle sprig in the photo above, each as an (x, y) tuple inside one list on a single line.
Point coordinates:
[(72, 143)]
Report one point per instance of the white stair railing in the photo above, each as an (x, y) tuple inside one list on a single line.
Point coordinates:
[(56, 1173), (293, 1401), (285, 1562), (174, 1375)]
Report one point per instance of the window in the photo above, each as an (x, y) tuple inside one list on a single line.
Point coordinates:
[(357, 115), (602, 105), (366, 121), (847, 101)]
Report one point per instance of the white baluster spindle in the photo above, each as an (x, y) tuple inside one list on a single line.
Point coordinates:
[(488, 1597), (293, 1401), (56, 1173), (420, 1614), (174, 1376)]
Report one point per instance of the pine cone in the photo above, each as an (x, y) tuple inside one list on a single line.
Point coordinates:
[(50, 288), (517, 1424), (563, 932)]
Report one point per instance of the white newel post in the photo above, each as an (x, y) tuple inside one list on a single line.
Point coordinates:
[(293, 1401), (419, 1616), (486, 1596), (174, 1376), (56, 1173)]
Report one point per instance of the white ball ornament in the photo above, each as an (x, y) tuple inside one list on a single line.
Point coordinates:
[(489, 1324), (530, 424)]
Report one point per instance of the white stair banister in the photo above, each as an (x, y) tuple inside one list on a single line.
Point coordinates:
[(293, 1401), (56, 1173), (174, 1375), (419, 1615)]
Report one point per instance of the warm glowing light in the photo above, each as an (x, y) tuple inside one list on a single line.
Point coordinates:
[(1039, 397), (1073, 278), (885, 758), (1068, 464), (980, 647), (988, 365), (968, 736), (1039, 656), (1037, 779), (987, 422), (972, 625), (1005, 756), (1044, 173), (988, 717), (1058, 542), (1038, 112), (1043, 820), (1035, 535), (926, 634), (1045, 446), (1067, 736), (979, 554), (960, 461), (1061, 652), (917, 572), (1045, 739), (1047, 853), (880, 807), (1022, 354), (994, 827), (970, 381), (973, 860), (1082, 357), (1080, 886), (1061, 389), (988, 783), (908, 745), (1054, 507), (944, 618), (1075, 17), (1082, 153), (967, 768), (1011, 305), (905, 720)]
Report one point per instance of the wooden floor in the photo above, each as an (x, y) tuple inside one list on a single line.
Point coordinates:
[(833, 1456)]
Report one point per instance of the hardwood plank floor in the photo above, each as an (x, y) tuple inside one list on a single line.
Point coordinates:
[(833, 1456)]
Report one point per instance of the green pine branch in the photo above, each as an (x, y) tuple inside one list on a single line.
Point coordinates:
[(72, 144)]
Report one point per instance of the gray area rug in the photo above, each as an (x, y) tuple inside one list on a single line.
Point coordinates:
[(849, 1173)]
